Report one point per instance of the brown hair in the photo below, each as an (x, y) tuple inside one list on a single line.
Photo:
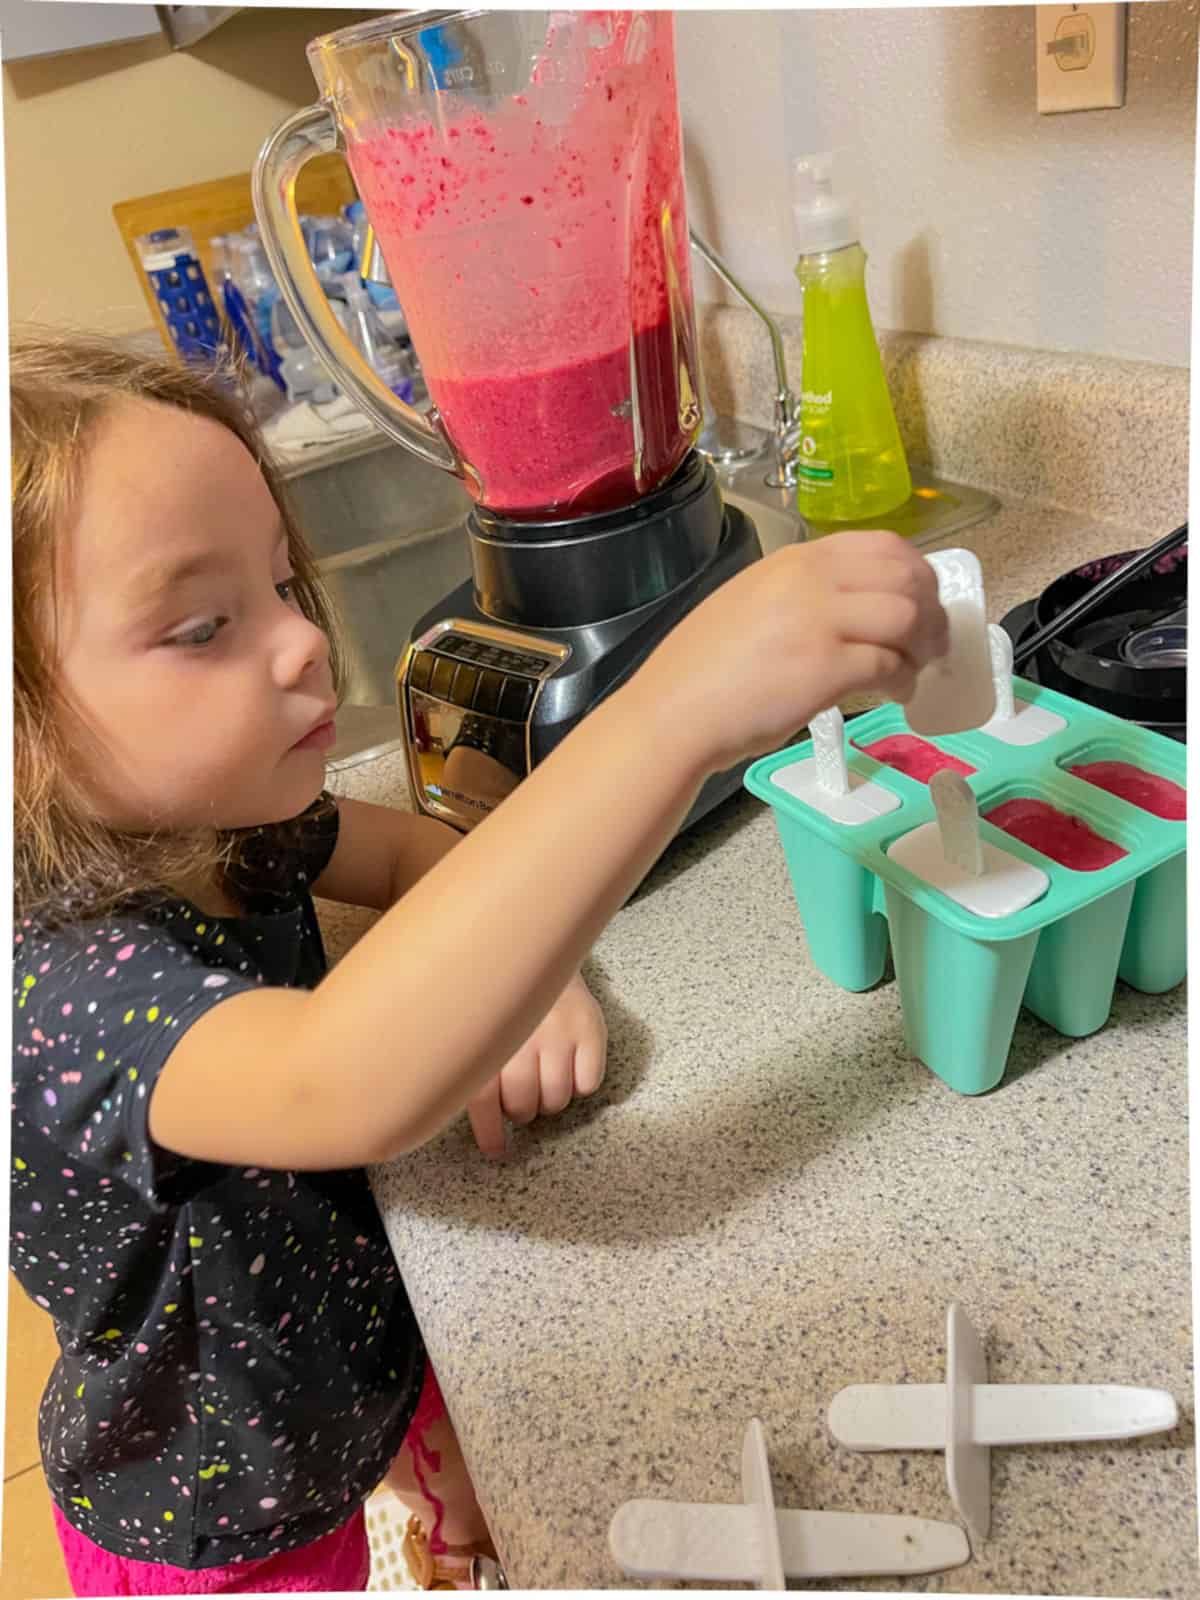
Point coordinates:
[(67, 864)]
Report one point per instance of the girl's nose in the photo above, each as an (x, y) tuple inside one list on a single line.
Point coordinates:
[(303, 648)]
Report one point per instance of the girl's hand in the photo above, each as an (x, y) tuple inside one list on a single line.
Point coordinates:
[(788, 637), (563, 1058)]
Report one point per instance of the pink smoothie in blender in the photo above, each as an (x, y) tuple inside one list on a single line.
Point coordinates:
[(539, 247)]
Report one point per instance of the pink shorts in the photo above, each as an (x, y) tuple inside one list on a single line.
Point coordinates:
[(340, 1562)]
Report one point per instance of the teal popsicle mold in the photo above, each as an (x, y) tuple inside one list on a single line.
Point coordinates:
[(963, 978)]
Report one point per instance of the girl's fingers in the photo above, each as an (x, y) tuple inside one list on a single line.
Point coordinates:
[(520, 1090), (590, 1062), (898, 571), (487, 1120), (877, 667), (882, 618), (557, 1075)]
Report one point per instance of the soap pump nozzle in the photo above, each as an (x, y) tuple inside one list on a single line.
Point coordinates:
[(823, 222)]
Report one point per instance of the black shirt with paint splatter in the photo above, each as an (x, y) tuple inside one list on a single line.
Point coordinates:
[(239, 1360)]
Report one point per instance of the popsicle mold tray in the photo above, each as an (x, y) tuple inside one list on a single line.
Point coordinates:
[(964, 976)]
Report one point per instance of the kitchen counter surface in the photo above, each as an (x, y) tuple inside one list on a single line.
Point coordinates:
[(770, 1199)]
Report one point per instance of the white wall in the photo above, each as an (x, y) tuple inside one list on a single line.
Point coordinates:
[(982, 219)]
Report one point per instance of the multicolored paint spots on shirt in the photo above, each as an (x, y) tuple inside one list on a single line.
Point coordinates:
[(214, 1400)]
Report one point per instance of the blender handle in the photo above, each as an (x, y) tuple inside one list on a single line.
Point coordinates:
[(310, 132)]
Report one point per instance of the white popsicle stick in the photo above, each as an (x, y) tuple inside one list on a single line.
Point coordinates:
[(912, 1416), (958, 820), (967, 1416), (1001, 649), (955, 693), (968, 1463), (754, 1543), (665, 1539), (760, 1499), (1008, 884), (861, 800), (829, 751), (1016, 722)]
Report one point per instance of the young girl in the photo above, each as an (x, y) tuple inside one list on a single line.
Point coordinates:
[(194, 1099)]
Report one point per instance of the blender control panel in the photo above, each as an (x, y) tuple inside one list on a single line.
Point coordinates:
[(467, 691)]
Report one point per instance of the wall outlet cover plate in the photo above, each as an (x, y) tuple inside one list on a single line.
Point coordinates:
[(1080, 57)]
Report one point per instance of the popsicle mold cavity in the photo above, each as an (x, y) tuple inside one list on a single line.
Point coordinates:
[(914, 757), (1061, 835), (1146, 790)]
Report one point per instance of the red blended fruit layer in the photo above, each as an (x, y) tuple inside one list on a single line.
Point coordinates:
[(1146, 790), (914, 757), (1064, 838)]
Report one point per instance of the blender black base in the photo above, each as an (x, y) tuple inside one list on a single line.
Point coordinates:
[(604, 654)]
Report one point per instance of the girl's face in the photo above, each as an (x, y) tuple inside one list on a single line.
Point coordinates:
[(202, 697)]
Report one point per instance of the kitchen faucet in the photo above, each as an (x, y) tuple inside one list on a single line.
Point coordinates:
[(786, 432)]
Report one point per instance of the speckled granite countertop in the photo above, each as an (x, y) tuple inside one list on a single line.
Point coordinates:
[(771, 1199)]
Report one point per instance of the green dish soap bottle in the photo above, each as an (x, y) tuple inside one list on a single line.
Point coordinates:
[(852, 465)]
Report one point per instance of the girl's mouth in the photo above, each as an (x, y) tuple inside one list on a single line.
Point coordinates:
[(318, 738)]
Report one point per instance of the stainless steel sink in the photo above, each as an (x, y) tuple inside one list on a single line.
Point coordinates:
[(372, 492), (936, 509), (778, 523)]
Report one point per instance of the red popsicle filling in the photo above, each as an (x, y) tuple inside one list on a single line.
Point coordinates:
[(914, 757), (1159, 796), (1064, 838)]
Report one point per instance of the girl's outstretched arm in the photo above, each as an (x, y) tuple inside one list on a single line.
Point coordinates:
[(421, 1013)]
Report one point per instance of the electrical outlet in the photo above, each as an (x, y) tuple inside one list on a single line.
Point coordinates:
[(1080, 57)]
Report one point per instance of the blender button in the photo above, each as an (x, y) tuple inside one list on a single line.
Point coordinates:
[(516, 699), (443, 677), (487, 696), (463, 689), (420, 670)]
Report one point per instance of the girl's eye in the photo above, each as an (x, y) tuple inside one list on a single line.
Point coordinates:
[(202, 633), (286, 590)]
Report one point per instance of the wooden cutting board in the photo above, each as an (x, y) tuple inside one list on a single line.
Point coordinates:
[(221, 206)]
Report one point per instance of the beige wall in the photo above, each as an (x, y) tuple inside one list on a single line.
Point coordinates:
[(982, 219), (84, 130)]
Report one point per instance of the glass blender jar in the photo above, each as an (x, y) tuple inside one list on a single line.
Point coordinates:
[(523, 175)]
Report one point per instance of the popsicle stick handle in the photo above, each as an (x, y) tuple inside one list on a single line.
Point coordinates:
[(968, 1459), (653, 1539), (1065, 1413), (880, 1416), (958, 821), (1001, 649), (954, 693), (855, 1544), (912, 1416), (670, 1540), (967, 1417), (828, 731), (760, 1499)]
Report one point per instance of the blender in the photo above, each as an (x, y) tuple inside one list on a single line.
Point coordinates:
[(523, 177)]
